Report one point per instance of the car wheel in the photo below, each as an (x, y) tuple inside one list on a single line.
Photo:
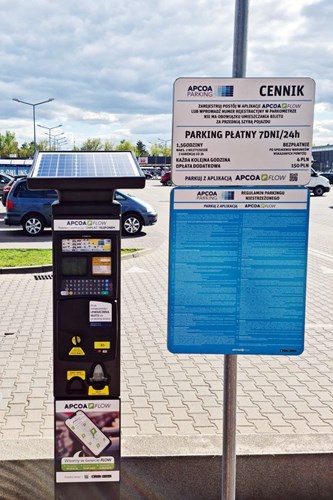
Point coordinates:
[(131, 224), (169, 182), (318, 191), (33, 225)]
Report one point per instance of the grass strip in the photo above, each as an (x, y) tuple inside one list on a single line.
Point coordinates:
[(23, 257)]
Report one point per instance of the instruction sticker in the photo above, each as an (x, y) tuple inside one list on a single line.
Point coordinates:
[(100, 313), (101, 266), (237, 270)]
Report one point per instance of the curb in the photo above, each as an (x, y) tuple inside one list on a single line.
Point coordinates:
[(26, 270), (49, 268)]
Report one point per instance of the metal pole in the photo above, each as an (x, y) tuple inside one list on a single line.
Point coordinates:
[(230, 361), (33, 114), (49, 129), (229, 428), (165, 148), (34, 120), (240, 39)]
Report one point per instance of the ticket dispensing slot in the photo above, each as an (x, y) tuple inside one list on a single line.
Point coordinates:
[(87, 316)]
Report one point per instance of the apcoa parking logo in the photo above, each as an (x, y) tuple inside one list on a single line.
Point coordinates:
[(207, 195), (225, 91), (200, 91), (208, 91)]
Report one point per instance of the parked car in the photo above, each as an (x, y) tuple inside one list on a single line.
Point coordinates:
[(31, 209), (8, 187), (149, 172), (166, 179), (135, 213), (4, 179), (328, 175), (318, 184)]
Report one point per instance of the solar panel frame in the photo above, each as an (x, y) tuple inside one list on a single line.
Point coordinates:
[(83, 170)]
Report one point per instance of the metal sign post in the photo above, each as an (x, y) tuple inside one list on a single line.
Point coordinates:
[(238, 258), (230, 361), (229, 427), (241, 151)]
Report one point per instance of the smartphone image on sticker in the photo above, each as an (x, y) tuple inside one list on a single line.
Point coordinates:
[(88, 433)]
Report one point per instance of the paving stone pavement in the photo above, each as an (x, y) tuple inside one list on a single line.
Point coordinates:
[(171, 404)]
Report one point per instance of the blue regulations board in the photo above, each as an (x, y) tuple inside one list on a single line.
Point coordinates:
[(237, 270)]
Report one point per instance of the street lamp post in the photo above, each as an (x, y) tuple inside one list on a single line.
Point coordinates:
[(60, 142), (33, 113), (54, 138), (49, 129), (165, 145), (154, 156)]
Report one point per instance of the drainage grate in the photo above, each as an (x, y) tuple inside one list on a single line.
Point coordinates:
[(40, 277)]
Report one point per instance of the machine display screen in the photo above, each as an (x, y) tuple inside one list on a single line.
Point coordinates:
[(86, 245), (74, 266)]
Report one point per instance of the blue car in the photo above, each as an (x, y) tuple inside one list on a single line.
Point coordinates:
[(32, 210)]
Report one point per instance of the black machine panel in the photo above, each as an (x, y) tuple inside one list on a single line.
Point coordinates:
[(87, 303)]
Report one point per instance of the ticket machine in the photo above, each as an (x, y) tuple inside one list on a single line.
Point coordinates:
[(86, 307), (86, 279)]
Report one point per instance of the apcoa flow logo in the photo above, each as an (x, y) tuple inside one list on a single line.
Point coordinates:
[(261, 177)]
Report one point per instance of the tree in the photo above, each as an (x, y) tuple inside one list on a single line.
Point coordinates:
[(125, 146), (8, 144), (26, 150), (43, 145), (160, 150), (140, 149), (108, 146), (94, 144)]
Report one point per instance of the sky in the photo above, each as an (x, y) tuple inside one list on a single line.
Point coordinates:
[(110, 66)]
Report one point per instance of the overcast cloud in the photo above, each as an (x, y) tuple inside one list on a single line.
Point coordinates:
[(110, 66)]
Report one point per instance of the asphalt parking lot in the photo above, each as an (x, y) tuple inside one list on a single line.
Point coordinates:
[(155, 193)]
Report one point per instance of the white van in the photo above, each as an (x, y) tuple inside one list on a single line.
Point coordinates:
[(318, 184)]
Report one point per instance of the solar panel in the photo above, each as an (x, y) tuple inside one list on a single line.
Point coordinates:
[(68, 170)]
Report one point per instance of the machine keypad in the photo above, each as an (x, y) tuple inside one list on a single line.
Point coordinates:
[(88, 286)]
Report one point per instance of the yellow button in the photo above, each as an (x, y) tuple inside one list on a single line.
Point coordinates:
[(102, 344), (76, 351), (76, 373), (98, 392)]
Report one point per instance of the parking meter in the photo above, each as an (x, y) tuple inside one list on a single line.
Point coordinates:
[(86, 280), (86, 224)]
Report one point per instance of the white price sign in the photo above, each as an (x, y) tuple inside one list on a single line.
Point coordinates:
[(242, 131)]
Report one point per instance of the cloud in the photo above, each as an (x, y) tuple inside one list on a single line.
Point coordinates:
[(114, 65)]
